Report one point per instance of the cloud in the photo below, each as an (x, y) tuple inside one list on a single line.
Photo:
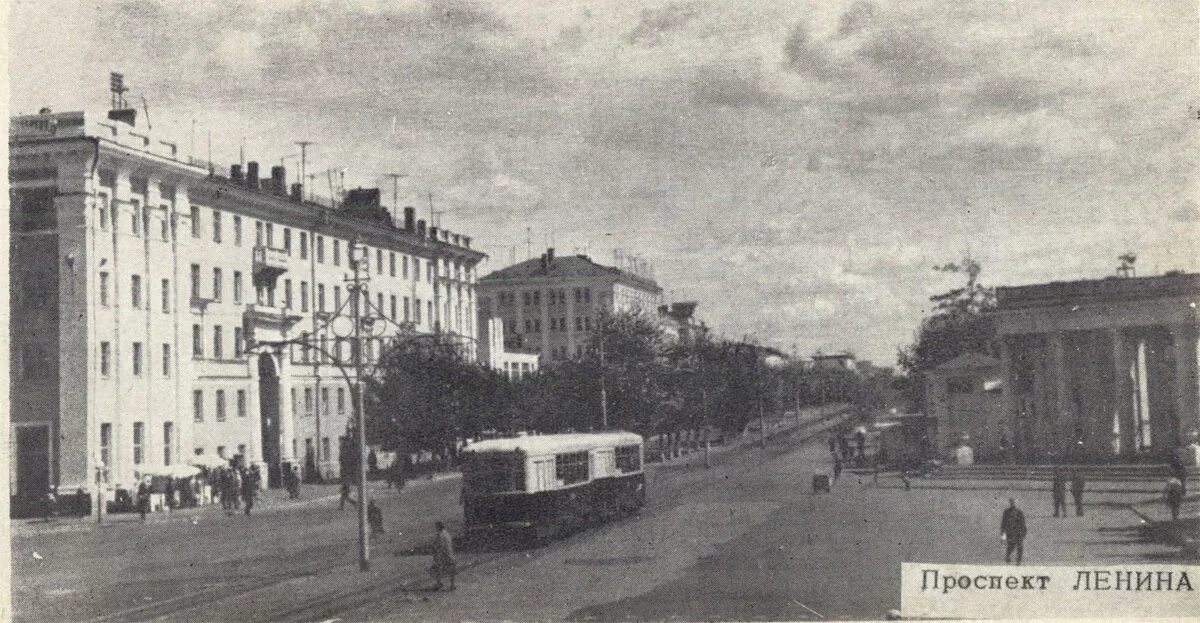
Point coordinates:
[(856, 19), (908, 55), (1011, 95), (1189, 212), (806, 56), (657, 23), (733, 85)]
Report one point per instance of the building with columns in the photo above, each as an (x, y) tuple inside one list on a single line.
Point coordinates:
[(135, 274), (1103, 368), (551, 304)]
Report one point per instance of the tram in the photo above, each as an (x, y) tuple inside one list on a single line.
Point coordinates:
[(545, 486)]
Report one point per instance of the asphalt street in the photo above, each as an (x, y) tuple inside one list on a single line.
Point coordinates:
[(744, 540)]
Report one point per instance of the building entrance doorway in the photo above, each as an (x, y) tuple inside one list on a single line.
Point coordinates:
[(268, 401)]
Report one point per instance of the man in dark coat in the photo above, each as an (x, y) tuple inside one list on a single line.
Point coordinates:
[(444, 564), (1012, 529), (143, 499), (249, 489), (1059, 492), (1077, 485), (374, 518)]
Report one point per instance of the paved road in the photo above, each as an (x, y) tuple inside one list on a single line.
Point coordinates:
[(745, 540)]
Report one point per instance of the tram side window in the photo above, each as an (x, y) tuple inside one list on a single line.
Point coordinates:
[(629, 459), (499, 474), (571, 468)]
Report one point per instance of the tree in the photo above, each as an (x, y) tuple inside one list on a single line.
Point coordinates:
[(957, 324)]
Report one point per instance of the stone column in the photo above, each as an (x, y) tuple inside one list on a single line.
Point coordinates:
[(1008, 397), (1122, 398), (1064, 412), (1187, 390)]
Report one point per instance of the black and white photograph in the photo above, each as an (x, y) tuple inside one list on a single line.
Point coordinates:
[(601, 310)]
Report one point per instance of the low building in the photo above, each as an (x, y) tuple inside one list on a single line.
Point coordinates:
[(678, 322), (1102, 368), (965, 397), (502, 356), (833, 361)]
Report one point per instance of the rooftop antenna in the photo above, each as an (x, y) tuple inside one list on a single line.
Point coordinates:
[(146, 109), (528, 242), (304, 165), (116, 84), (395, 183)]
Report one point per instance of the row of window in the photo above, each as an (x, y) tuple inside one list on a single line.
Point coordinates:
[(553, 297), (137, 358), (310, 401), (218, 405), (139, 442)]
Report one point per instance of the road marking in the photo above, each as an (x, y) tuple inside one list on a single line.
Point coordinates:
[(818, 614)]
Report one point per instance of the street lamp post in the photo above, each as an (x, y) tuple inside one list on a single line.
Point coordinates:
[(358, 290), (603, 387)]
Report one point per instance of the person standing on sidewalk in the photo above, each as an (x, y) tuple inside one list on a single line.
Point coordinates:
[(1174, 495), (374, 518), (143, 499), (1059, 492), (346, 495), (1012, 530), (1077, 485), (444, 564)]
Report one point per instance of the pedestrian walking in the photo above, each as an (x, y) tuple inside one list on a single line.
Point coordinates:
[(837, 468), (1077, 486), (235, 488), (1012, 530), (1059, 492), (444, 565), (49, 504), (143, 499), (1179, 471), (346, 496), (833, 445), (375, 518), (1174, 495), (248, 492)]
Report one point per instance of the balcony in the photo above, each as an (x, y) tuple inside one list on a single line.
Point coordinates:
[(264, 317), (269, 264)]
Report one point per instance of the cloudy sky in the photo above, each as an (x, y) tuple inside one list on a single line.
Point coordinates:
[(797, 168)]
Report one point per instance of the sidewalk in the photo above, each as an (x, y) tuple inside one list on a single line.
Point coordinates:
[(269, 501)]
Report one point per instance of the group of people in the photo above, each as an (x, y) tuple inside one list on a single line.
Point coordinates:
[(237, 487), (1058, 490)]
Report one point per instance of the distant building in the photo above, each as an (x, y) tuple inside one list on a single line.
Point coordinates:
[(834, 361), (552, 304), (1103, 368), (678, 322), (509, 359), (135, 273), (965, 397)]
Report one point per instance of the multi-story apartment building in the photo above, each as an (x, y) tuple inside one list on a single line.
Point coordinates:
[(551, 304), (135, 277)]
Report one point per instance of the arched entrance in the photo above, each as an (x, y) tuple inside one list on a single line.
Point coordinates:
[(268, 401)]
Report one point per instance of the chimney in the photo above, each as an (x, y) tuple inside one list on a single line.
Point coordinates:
[(457, 240), (410, 219), (252, 175), (421, 228), (235, 173), (279, 179), (297, 192), (550, 255), (467, 241), (433, 233), (445, 235)]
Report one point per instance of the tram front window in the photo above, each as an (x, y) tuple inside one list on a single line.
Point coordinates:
[(493, 473)]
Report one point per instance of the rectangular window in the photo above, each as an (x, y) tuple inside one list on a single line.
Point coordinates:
[(404, 266), (429, 270), (135, 291), (219, 399), (304, 245), (216, 226), (571, 467), (135, 217), (308, 401), (106, 444), (629, 459), (378, 261), (325, 400), (138, 441), (241, 403), (406, 310), (168, 441), (578, 323), (239, 346), (197, 342), (102, 203), (218, 348), (392, 302), (429, 309), (416, 269), (195, 213), (320, 249), (295, 405), (195, 281), (258, 233), (221, 451), (417, 311), (379, 303), (391, 263), (166, 296), (337, 252), (104, 289), (137, 358), (526, 298), (237, 287), (271, 235), (303, 296), (217, 284), (166, 360), (164, 225), (341, 400), (287, 240), (237, 230), (587, 295), (325, 448), (197, 405), (287, 293), (105, 358), (320, 297)]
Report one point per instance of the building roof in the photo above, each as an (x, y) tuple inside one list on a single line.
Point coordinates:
[(540, 445), (969, 360), (1109, 289), (566, 267)]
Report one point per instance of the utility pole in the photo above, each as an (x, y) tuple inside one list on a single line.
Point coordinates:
[(603, 388), (303, 165), (358, 289)]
